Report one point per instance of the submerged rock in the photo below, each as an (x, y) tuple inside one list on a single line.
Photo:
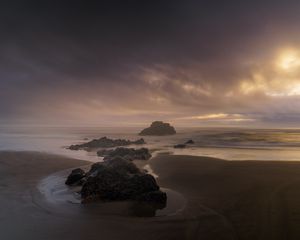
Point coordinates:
[(126, 153), (158, 128), (184, 145), (105, 142), (75, 177), (189, 142), (119, 179), (179, 146)]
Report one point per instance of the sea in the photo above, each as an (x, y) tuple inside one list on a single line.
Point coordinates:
[(224, 143)]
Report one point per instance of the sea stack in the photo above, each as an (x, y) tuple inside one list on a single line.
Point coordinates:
[(158, 128)]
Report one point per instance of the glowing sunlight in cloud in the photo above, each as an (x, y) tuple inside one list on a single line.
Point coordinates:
[(289, 60), (274, 88), (279, 80)]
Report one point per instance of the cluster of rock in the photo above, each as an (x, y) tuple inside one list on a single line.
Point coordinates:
[(126, 153), (116, 180), (105, 142), (184, 145), (158, 128)]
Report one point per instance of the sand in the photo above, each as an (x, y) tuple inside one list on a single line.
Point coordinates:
[(259, 199), (224, 200)]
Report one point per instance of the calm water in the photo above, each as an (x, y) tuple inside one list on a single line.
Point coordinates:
[(231, 144)]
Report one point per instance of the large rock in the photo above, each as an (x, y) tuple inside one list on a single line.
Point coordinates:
[(127, 153), (158, 128), (119, 179), (75, 177), (105, 142)]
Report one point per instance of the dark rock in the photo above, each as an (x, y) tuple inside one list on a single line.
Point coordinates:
[(158, 128), (126, 153), (180, 146), (142, 183), (122, 165), (189, 142), (110, 185), (75, 177), (105, 142), (117, 164), (119, 179)]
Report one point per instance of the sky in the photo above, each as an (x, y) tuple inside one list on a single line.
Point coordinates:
[(127, 63)]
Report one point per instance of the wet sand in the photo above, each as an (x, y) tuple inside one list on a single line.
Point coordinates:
[(225, 200), (258, 199)]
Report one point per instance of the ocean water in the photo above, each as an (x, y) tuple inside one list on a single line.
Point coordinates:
[(225, 143)]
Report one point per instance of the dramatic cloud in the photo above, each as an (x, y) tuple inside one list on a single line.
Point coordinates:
[(130, 62)]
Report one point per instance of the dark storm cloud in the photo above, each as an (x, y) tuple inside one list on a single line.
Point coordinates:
[(56, 55)]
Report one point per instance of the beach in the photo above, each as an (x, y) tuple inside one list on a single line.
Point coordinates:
[(224, 200), (258, 199), (150, 120)]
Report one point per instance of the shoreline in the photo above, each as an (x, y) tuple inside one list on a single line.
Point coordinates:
[(225, 200)]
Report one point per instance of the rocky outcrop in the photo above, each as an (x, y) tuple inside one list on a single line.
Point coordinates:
[(127, 153), (75, 177), (119, 179), (158, 128), (105, 142)]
